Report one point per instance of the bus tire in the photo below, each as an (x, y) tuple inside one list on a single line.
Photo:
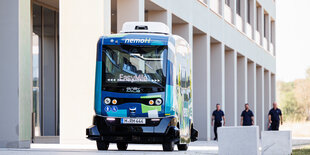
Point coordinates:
[(101, 145), (122, 146), (182, 147), (168, 146)]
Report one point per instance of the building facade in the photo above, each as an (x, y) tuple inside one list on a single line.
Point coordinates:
[(48, 53)]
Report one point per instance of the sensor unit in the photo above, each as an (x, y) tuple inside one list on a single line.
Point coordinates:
[(145, 27)]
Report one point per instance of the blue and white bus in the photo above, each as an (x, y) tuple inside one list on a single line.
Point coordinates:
[(143, 89)]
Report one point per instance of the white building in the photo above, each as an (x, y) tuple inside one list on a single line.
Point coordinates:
[(234, 51)]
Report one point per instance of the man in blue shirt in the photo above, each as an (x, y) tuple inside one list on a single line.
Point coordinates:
[(247, 117), (275, 117), (217, 117)]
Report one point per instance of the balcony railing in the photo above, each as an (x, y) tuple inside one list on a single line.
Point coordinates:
[(257, 37), (239, 22), (265, 43), (227, 13), (215, 6), (271, 49), (249, 30)]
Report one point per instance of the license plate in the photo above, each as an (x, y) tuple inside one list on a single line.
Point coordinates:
[(133, 121)]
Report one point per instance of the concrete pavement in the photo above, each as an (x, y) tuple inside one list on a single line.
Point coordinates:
[(200, 147)]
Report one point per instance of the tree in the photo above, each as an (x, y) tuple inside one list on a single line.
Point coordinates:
[(302, 93), (292, 111), (308, 73)]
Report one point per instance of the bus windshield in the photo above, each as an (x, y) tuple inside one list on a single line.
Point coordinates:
[(131, 65)]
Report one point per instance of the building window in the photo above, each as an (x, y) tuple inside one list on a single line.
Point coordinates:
[(203, 1), (238, 5), (257, 18), (227, 2), (272, 30), (249, 11), (265, 25)]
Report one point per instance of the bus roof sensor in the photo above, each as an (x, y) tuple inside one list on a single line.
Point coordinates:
[(145, 27)]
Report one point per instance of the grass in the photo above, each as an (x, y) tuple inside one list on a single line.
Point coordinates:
[(302, 151)]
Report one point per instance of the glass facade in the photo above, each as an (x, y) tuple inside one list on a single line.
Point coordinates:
[(45, 71)]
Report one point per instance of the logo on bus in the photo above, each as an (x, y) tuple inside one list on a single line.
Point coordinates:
[(133, 90), (138, 41)]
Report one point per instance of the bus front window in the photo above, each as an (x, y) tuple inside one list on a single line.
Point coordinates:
[(134, 66)]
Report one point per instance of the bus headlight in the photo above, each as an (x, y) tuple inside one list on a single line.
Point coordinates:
[(158, 101), (107, 100), (114, 101), (151, 102)]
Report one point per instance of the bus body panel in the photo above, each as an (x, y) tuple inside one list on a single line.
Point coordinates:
[(183, 101)]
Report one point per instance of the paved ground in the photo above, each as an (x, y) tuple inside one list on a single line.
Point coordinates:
[(200, 147)]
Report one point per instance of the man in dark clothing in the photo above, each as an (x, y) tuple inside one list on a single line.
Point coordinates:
[(217, 117), (247, 117), (275, 117)]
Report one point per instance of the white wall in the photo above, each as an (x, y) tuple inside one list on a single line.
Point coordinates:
[(200, 84), (16, 74), (81, 25), (260, 98), (252, 88), (267, 97), (210, 23), (132, 10), (231, 88), (217, 80), (242, 87)]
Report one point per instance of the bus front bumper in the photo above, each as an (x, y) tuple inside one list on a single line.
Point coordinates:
[(154, 131)]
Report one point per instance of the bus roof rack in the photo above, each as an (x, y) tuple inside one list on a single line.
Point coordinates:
[(145, 27)]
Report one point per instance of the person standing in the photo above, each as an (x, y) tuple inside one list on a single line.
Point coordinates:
[(217, 117), (275, 117), (247, 117)]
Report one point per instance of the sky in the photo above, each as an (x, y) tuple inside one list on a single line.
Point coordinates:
[(292, 39)]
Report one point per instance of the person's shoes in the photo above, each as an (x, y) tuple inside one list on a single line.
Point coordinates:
[(215, 139)]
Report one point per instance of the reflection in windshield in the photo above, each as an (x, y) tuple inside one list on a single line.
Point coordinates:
[(129, 64)]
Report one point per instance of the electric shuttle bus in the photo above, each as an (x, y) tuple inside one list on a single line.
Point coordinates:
[(143, 89)]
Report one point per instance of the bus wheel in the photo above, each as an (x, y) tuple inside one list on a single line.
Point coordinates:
[(122, 146), (182, 147), (168, 146), (101, 145)]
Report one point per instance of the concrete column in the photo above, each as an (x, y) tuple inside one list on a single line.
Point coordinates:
[(260, 97), (253, 17), (163, 16), (252, 88), (231, 87), (16, 74), (200, 84), (107, 16), (273, 88), (184, 30), (261, 24), (241, 84), (77, 77), (217, 76), (267, 96), (208, 86), (129, 10)]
